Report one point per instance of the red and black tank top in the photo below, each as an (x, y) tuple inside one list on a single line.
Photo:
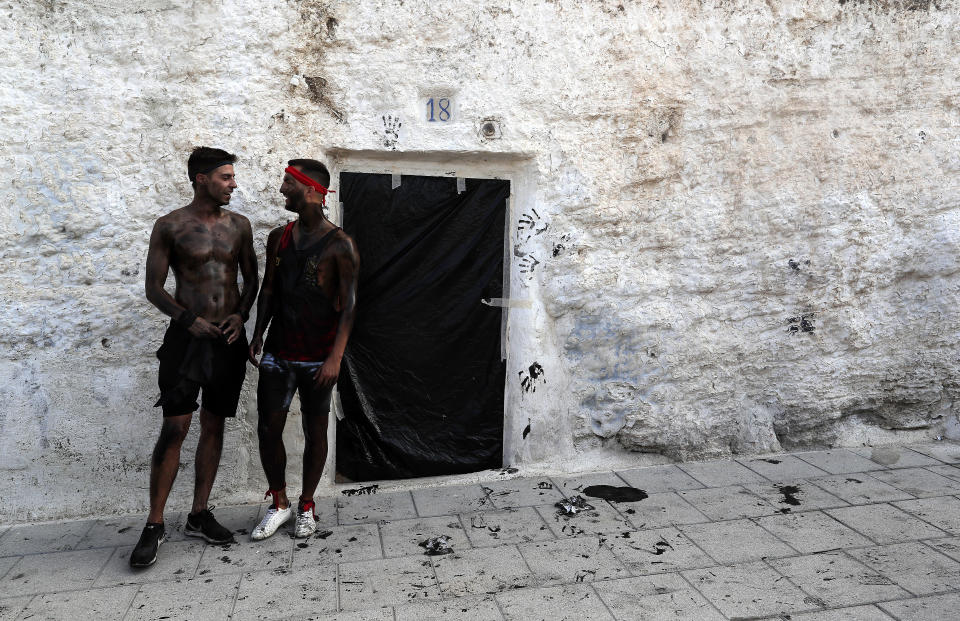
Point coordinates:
[(304, 323)]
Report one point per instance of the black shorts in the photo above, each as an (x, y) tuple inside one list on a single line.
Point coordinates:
[(279, 379), (221, 391)]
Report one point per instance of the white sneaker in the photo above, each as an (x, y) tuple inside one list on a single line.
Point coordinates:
[(306, 523), (273, 520)]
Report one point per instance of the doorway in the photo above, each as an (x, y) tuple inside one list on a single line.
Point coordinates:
[(422, 382)]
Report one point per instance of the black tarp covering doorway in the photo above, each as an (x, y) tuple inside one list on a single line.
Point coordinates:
[(422, 380)]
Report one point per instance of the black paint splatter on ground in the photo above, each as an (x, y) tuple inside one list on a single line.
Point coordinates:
[(544, 485), (854, 481), (224, 559), (614, 493), (790, 493), (352, 539), (661, 546), (509, 471), (526, 430), (124, 529), (572, 506), (437, 546), (323, 534), (771, 461), (369, 489)]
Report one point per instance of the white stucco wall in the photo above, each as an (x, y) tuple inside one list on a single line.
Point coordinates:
[(745, 233)]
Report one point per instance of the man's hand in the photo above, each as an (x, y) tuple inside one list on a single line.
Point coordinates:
[(326, 376), (232, 327), (256, 345), (203, 329)]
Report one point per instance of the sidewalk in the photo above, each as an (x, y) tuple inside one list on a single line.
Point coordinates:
[(857, 534)]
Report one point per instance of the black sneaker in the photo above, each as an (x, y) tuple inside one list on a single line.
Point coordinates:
[(203, 524), (145, 552)]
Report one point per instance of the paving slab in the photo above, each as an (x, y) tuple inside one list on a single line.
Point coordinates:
[(947, 452), (914, 566), (885, 523), (43, 538), (659, 510), (377, 614), (177, 560), (108, 603), (750, 590), (949, 546), (482, 571), (526, 492), (497, 528), (566, 603), (951, 472), (812, 531), (387, 582), (273, 553), (657, 551), (839, 461), (112, 532), (284, 593), (666, 597), (600, 520), (728, 503), (779, 468), (197, 599), (934, 608), (860, 489), (919, 482), (568, 561), (721, 473), (240, 519), (57, 571), (11, 607), (451, 499), (574, 485), (654, 479), (458, 609), (736, 541), (836, 579), (375, 507), (6, 563), (854, 613), (942, 512), (403, 537), (894, 456), (793, 496), (357, 542)]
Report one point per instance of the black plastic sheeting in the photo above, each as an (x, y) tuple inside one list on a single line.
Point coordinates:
[(422, 381)]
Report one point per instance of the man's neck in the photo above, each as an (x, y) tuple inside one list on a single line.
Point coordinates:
[(312, 220), (204, 206)]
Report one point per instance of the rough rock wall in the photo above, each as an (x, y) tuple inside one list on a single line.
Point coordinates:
[(745, 234)]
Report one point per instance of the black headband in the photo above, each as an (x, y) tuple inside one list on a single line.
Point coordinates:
[(209, 169)]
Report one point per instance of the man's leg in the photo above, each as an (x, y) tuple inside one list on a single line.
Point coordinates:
[(166, 462), (314, 451), (209, 448), (273, 454)]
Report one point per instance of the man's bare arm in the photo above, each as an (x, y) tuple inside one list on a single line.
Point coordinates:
[(232, 326), (265, 300), (348, 268), (158, 264)]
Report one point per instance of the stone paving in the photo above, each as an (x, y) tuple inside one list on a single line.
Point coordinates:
[(861, 534)]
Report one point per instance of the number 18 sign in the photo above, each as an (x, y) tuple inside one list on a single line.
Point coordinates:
[(438, 109)]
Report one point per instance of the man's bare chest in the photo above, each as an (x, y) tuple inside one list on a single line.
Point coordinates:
[(198, 243)]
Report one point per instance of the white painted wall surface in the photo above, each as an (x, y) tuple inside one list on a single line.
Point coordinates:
[(710, 181)]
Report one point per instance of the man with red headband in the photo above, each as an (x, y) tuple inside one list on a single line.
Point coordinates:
[(205, 346), (308, 298)]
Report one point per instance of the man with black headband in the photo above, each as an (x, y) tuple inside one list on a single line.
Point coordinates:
[(205, 347), (308, 298)]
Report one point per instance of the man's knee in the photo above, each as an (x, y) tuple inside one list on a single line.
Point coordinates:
[(270, 426), (314, 428), (173, 432), (211, 423)]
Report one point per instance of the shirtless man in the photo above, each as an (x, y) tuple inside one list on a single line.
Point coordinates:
[(205, 345), (309, 291)]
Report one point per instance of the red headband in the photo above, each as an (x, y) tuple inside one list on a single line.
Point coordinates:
[(305, 180)]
